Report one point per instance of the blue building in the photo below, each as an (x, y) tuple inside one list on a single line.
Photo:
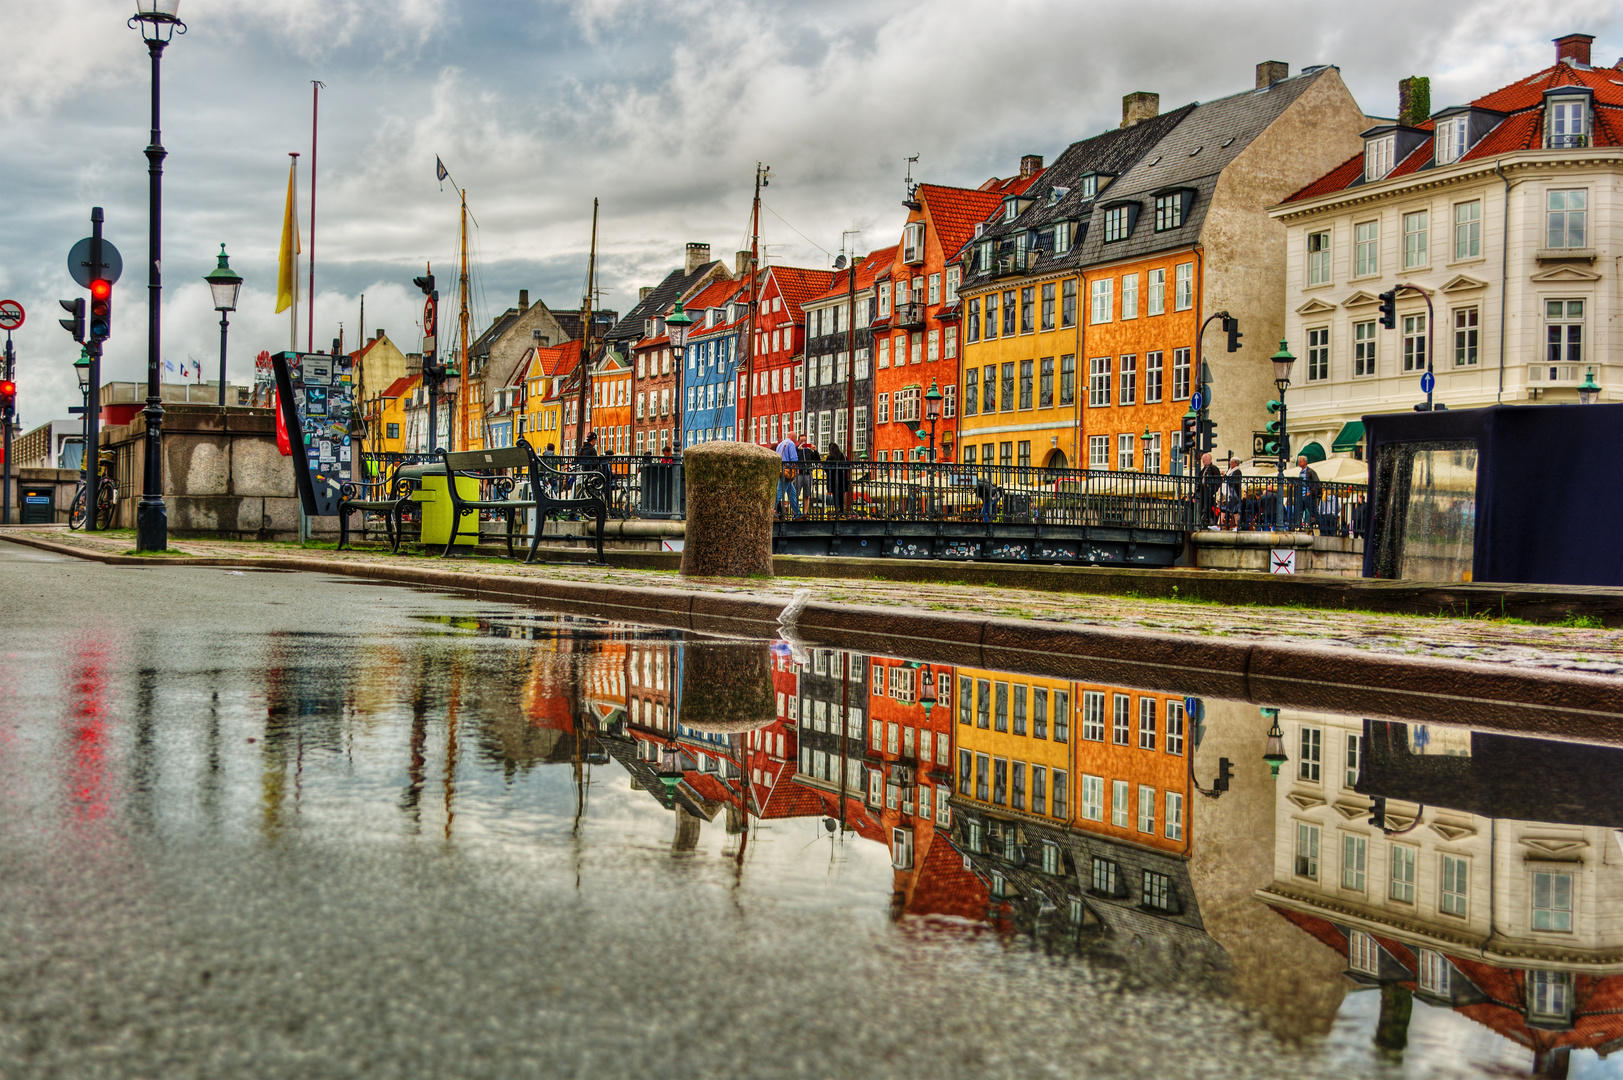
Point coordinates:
[(710, 376)]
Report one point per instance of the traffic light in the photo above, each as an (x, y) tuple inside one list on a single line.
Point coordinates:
[(1225, 773), (1191, 431), (101, 309), (425, 283), (1389, 309), (1270, 442), (1275, 405), (8, 396), (1232, 328), (1377, 812), (76, 324), (1208, 436)]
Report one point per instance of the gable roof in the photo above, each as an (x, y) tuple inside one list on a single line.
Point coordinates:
[(401, 386), (866, 270), (677, 283), (799, 284), (954, 212)]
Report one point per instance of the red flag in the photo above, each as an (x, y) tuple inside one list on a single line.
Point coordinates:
[(283, 443)]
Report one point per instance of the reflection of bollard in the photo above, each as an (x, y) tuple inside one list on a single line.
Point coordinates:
[(730, 490), (727, 688)]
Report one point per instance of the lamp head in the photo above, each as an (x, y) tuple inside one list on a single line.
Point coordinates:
[(1282, 361), (225, 283)]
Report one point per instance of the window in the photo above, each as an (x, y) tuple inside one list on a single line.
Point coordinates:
[(991, 316), (884, 410), (1366, 248), (1414, 343), (1017, 796), (1363, 953), (983, 703), (1157, 301), (1146, 723), (1552, 900), (1465, 337), (1353, 850), (1416, 253), (1009, 312), (1062, 237), (1100, 293), (972, 322), (1093, 716), (1564, 331), (1099, 381), (1152, 378), (1450, 140), (1067, 380), (1129, 380), (1157, 891), (1307, 851), (1401, 879), (1318, 258), (1567, 123), (932, 346), (1168, 211), (949, 343), (1183, 297), (983, 777), (1039, 712), (1028, 309), (1039, 790), (1025, 383), (989, 389), (1008, 386), (1548, 993), (1318, 354), (1067, 310), (393, 431), (1116, 224), (935, 289), (1020, 694), (1308, 765), (1146, 809), (1089, 185), (1099, 452), (1363, 349), (1434, 972), (1062, 716), (1350, 765), (1468, 229), (1174, 733), (1045, 384), (1124, 451), (1180, 374), (1048, 306), (1121, 725), (1000, 721), (1093, 797), (1378, 157), (1051, 860), (952, 283), (1453, 896), (1062, 806), (1104, 879), (1120, 811), (1565, 218)]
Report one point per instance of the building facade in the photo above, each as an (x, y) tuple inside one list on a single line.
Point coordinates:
[(839, 323), (778, 373)]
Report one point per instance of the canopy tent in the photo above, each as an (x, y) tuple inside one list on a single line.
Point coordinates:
[(1350, 435)]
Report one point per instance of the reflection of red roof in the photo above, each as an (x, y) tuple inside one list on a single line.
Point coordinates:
[(708, 786), (791, 800), (956, 211), (945, 887), (797, 285), (866, 270)]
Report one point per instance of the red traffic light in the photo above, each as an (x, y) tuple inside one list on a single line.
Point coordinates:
[(101, 289), (8, 389)]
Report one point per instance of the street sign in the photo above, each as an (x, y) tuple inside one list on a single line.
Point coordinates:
[(112, 263), (429, 313), (1428, 382), (1197, 401), (11, 314)]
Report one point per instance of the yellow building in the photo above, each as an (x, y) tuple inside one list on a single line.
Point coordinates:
[(384, 414), (544, 377), (1014, 738)]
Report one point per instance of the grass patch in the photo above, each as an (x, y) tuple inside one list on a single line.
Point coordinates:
[(1581, 622)]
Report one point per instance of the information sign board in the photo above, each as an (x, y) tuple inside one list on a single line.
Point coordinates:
[(316, 393)]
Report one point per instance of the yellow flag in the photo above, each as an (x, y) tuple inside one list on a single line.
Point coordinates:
[(285, 281)]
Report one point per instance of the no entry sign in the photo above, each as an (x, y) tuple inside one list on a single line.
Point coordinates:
[(11, 315)]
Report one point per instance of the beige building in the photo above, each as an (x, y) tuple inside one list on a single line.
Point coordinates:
[(1503, 214)]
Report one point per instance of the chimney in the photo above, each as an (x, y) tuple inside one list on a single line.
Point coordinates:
[(644, 293), (741, 263), (1574, 48), (414, 363), (1138, 107), (382, 333), (524, 300), (1271, 71), (1031, 165), (1414, 100), (698, 255)]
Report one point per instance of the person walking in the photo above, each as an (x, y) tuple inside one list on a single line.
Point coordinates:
[(790, 454), (1209, 480), (807, 480), (1307, 493), (839, 479), (1231, 493)]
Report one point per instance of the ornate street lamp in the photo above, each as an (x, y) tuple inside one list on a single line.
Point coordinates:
[(1282, 361), (927, 691), (225, 283), (932, 413), (159, 22), (1274, 752), (1146, 438), (676, 326), (1588, 390), (81, 370)]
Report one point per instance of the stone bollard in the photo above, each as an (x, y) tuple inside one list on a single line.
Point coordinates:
[(727, 687), (730, 491)]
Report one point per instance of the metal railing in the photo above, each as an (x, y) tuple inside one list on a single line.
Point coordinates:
[(1265, 503)]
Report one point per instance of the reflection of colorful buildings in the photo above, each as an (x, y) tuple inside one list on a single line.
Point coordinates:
[(1491, 890)]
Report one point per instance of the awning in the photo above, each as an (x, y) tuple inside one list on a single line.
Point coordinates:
[(1314, 452), (1351, 434)]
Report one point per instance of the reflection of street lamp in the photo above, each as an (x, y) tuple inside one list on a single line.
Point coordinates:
[(224, 283), (1146, 457), (676, 326), (1588, 390), (1274, 752), (927, 693), (159, 23)]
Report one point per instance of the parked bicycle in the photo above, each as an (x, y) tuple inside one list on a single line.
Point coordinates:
[(106, 494)]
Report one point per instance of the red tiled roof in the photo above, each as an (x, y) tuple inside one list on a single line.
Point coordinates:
[(798, 284), (956, 211), (791, 800), (709, 787), (1529, 93), (555, 360), (866, 270), (401, 386), (944, 887)]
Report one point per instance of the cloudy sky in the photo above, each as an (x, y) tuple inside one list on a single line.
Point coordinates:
[(659, 108)]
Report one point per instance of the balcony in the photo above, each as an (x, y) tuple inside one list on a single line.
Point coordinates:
[(1013, 262), (908, 315)]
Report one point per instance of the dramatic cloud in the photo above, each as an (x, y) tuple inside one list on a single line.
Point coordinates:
[(658, 108)]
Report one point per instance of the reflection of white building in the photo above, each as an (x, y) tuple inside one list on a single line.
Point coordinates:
[(1496, 887)]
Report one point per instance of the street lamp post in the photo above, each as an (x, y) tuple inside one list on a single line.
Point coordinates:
[(224, 283), (1588, 390), (676, 327), (932, 413), (1282, 361), (159, 23)]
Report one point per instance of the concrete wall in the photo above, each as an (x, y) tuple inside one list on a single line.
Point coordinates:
[(1337, 556), (64, 480)]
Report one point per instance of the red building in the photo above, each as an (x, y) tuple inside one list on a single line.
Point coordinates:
[(780, 350)]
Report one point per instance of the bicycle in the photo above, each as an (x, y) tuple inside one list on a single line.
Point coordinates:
[(106, 494)]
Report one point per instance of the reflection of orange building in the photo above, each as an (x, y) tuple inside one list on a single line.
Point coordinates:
[(1132, 765)]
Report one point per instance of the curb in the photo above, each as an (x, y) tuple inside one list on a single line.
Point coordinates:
[(1545, 703)]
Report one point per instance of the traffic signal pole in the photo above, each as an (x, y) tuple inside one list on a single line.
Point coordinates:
[(5, 418)]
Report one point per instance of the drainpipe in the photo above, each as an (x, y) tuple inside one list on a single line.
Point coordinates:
[(1504, 280), (1076, 375)]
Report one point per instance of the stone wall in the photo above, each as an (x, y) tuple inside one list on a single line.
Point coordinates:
[(1337, 556), (65, 481)]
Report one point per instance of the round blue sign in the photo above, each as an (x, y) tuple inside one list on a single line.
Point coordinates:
[(1427, 382), (1196, 401)]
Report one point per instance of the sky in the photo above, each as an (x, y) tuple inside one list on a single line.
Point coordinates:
[(659, 109)]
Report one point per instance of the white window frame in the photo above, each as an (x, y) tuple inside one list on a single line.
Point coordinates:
[(1146, 809), (1365, 351), (1467, 335), (1378, 155), (1099, 382), (1568, 122), (1414, 341), (1453, 893), (1367, 248), (1450, 140), (1468, 229), (1416, 239), (1156, 301), (1318, 258), (1093, 797), (1101, 300), (1401, 865), (1183, 295), (1129, 296), (1363, 953), (1305, 853), (1310, 759), (1318, 354), (1552, 911), (1354, 862), (1174, 815), (1435, 973), (1121, 810)]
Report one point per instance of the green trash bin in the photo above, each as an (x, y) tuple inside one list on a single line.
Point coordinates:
[(39, 505), (433, 498)]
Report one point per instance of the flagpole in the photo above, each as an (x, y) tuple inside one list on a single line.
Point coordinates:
[(316, 86), (293, 308)]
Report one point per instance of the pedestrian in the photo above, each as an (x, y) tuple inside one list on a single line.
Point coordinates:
[(1208, 481), (549, 468), (789, 453), (839, 478), (1308, 489), (807, 478), (1231, 493)]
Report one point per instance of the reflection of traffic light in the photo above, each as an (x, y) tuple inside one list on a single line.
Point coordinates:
[(76, 324), (1377, 812), (1389, 309), (1232, 328), (8, 396), (1225, 773), (101, 309)]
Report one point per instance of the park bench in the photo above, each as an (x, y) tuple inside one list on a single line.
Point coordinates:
[(587, 492), (387, 497)]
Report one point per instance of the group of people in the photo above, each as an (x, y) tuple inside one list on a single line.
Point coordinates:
[(1223, 502), (798, 482)]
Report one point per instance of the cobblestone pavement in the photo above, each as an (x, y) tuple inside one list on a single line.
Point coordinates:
[(1494, 641)]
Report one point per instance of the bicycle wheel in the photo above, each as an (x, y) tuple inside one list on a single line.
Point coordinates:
[(76, 515), (106, 500)]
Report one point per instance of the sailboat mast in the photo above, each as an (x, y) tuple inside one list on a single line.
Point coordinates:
[(586, 336), (462, 314), (748, 393)]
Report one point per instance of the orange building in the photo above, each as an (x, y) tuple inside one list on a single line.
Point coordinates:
[(611, 403), (1132, 752)]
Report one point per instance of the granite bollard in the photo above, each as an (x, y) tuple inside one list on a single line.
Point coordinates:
[(727, 687), (730, 491)]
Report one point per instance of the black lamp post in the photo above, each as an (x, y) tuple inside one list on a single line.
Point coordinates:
[(224, 283), (1282, 361), (159, 23), (932, 413), (1146, 439), (1274, 752), (676, 326)]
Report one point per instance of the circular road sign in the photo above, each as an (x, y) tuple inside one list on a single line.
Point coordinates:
[(428, 317), (1197, 401), (112, 263), (1428, 382), (11, 314)]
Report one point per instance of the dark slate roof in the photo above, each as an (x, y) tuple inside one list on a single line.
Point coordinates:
[(1191, 156), (1112, 153), (665, 294)]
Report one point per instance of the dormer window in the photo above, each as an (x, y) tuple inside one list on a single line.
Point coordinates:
[(1452, 139), (1119, 221), (1011, 209), (1568, 122), (988, 249), (1171, 208), (1062, 237), (1056, 194), (1090, 186), (1378, 153)]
